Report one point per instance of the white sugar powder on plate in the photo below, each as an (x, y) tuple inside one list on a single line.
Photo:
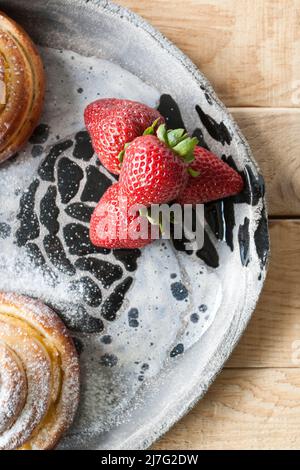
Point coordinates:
[(162, 318)]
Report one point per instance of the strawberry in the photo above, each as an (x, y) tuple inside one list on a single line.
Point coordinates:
[(112, 123), (210, 179), (112, 222), (154, 168)]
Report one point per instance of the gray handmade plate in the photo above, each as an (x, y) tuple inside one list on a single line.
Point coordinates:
[(153, 327)]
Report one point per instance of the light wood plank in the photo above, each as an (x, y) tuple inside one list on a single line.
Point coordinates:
[(272, 338), (274, 137), (248, 49), (244, 409), (250, 52), (255, 401)]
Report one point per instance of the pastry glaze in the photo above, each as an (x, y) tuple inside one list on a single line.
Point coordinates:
[(22, 87), (39, 375)]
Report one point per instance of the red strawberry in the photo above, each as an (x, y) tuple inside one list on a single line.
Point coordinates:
[(154, 169), (112, 223), (112, 123), (216, 179)]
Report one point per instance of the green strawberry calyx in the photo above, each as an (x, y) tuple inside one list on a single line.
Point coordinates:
[(151, 130), (176, 139)]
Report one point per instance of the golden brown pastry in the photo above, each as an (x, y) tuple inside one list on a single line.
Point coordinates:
[(39, 375), (22, 87)]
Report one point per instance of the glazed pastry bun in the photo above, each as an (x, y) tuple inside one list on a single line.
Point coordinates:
[(22, 87), (39, 375)]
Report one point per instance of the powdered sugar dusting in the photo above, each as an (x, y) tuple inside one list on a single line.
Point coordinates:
[(168, 306)]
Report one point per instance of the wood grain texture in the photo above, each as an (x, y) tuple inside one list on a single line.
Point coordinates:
[(244, 409), (248, 49), (272, 338), (274, 137)]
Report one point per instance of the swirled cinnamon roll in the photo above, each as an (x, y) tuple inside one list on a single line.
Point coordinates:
[(22, 87), (39, 375)]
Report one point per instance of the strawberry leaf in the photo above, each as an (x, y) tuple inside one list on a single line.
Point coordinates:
[(186, 147), (175, 136), (162, 134)]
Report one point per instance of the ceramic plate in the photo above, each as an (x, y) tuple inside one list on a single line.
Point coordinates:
[(153, 327)]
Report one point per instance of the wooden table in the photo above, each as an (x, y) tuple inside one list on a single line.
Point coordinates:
[(250, 51)]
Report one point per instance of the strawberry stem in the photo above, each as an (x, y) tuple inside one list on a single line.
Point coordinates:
[(192, 172), (122, 153), (121, 156), (151, 130)]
